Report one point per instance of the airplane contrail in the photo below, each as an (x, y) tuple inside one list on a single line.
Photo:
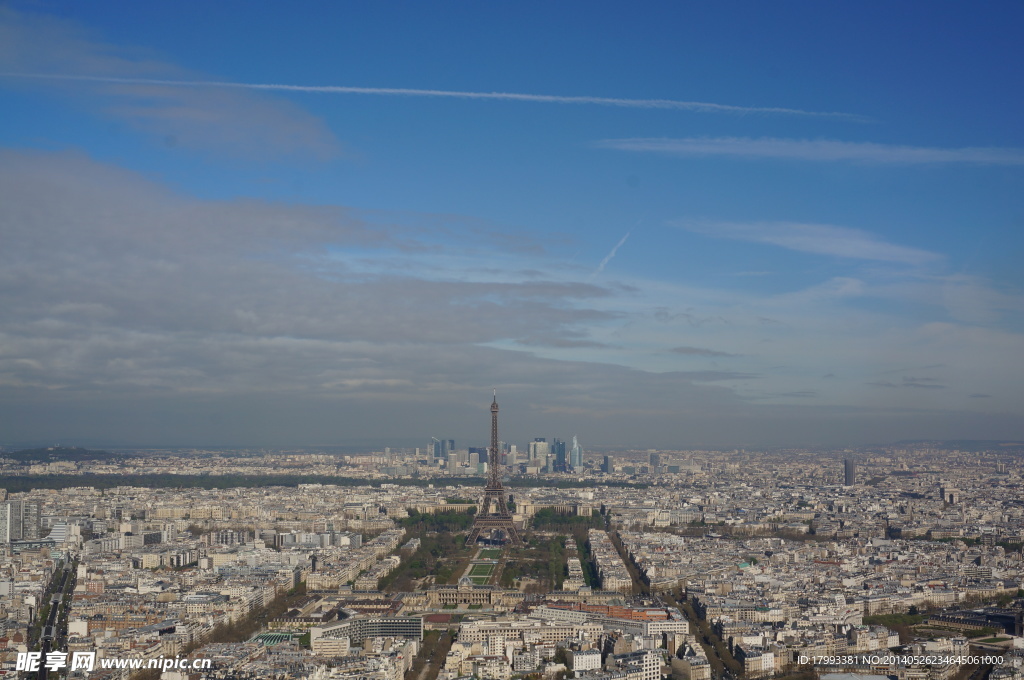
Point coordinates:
[(703, 107), (609, 256)]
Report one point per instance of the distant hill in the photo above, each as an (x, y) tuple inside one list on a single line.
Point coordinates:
[(972, 445), (54, 454)]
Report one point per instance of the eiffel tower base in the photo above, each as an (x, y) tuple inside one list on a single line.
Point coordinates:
[(487, 523), (487, 526)]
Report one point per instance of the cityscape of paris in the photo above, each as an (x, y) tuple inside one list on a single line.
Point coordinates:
[(511, 341)]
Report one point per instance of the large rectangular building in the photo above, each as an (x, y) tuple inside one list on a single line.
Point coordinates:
[(19, 521), (359, 628), (849, 472)]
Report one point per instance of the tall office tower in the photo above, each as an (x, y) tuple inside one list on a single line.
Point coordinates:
[(19, 521), (654, 460), (441, 447), (496, 525), (849, 472), (576, 455), (558, 448), (539, 448), (6, 528), (30, 520), (606, 466)]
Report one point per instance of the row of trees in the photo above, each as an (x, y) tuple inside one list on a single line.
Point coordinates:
[(542, 559), (35, 631), (435, 648), (451, 522), (441, 548), (549, 520), (254, 621), (434, 556), (17, 484)]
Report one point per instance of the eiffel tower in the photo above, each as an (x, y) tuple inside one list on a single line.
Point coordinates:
[(497, 524)]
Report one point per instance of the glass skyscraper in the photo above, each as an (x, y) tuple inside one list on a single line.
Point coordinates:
[(575, 455)]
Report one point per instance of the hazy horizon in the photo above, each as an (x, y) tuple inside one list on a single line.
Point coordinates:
[(675, 228)]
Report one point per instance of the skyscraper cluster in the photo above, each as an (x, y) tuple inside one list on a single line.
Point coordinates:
[(554, 456), (440, 448)]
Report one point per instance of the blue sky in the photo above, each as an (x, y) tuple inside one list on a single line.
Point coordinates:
[(660, 225)]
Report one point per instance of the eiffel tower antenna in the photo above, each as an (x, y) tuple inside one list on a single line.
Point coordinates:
[(496, 525)]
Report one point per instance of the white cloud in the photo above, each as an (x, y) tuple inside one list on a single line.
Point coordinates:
[(235, 122), (700, 352), (127, 310), (816, 150), (819, 239)]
